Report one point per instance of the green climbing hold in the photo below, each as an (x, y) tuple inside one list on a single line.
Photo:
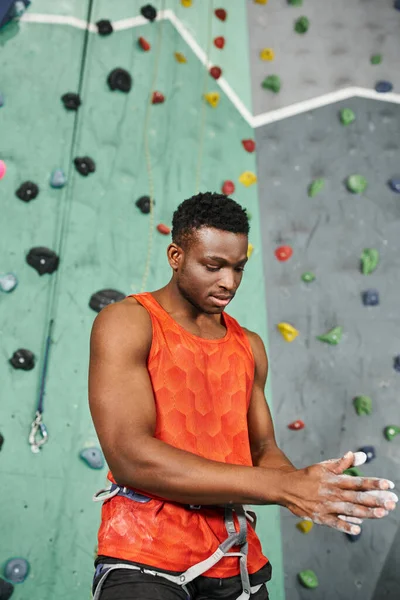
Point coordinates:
[(391, 431), (272, 82), (308, 277), (308, 578), (376, 59), (301, 25), (331, 337), (347, 116), (315, 187), (356, 184), (363, 405), (353, 471), (295, 2), (369, 260)]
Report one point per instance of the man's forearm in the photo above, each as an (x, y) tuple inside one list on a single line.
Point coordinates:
[(273, 458)]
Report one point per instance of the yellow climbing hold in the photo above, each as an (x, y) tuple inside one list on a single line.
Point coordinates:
[(250, 249), (181, 58), (186, 3), (261, 1), (288, 331), (305, 526), (248, 178), (267, 54), (212, 98)]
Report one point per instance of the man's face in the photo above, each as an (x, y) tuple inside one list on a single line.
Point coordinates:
[(212, 266)]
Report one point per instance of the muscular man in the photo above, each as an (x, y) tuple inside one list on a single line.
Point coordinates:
[(176, 392)]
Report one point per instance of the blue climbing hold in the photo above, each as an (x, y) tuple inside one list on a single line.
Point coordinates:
[(397, 4), (58, 179), (370, 298), (1, 99), (383, 87), (16, 570), (354, 538), (93, 457), (8, 283), (369, 451), (396, 363), (394, 184)]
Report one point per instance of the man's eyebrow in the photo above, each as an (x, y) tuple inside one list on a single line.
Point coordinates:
[(223, 260)]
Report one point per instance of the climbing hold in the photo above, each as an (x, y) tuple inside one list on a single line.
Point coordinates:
[(103, 298), (396, 363), (3, 169), (296, 425), (43, 260), (394, 183), (143, 204), (157, 98), (369, 451), (308, 579), (369, 260), (216, 72), (58, 179), (248, 178), (356, 184), (267, 54), (71, 101), (331, 337), (308, 277), (1, 445), (353, 471), (180, 57), (84, 165), (391, 431), (250, 249), (163, 229), (301, 25), (272, 82), (221, 14), (16, 570), (295, 2), (23, 359), (370, 297), (315, 187), (397, 4), (6, 589), (228, 187), (249, 145), (305, 526), (283, 253), (347, 116), (93, 457), (8, 283), (219, 42), (376, 59), (119, 79), (144, 44), (104, 27), (212, 98), (27, 191), (186, 3), (149, 12), (261, 1), (363, 405), (354, 537), (383, 87), (288, 332)]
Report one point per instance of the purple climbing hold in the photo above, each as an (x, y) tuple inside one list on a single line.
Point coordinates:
[(369, 451), (396, 363), (16, 570), (383, 87), (370, 298), (394, 184)]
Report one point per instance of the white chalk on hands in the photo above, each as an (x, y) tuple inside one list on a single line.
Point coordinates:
[(384, 494), (359, 459), (354, 520)]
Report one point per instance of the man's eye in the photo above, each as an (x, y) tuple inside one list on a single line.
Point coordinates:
[(212, 268)]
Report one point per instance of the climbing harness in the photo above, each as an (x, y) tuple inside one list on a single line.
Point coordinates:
[(235, 538)]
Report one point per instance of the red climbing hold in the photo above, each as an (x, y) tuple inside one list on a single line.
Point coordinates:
[(216, 72), (249, 145), (163, 229), (219, 42), (144, 44), (228, 188), (296, 425), (283, 253), (158, 98), (220, 13)]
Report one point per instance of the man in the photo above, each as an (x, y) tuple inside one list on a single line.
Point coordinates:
[(176, 392)]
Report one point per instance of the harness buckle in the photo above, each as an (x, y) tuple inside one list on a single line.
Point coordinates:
[(38, 429)]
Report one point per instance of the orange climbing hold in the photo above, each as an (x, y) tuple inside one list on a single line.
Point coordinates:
[(228, 187), (283, 253), (157, 98), (219, 42), (144, 44), (249, 145), (163, 229), (221, 14), (216, 72), (181, 58)]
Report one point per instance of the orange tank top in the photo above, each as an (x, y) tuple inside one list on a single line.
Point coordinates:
[(202, 390)]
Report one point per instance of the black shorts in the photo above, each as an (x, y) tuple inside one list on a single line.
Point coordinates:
[(127, 584)]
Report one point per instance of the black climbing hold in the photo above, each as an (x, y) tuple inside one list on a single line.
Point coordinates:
[(397, 4), (43, 260), (354, 538), (84, 165), (369, 451), (23, 359), (104, 27), (396, 363), (383, 87), (104, 297), (6, 589), (1, 445), (27, 191), (119, 79), (143, 204), (394, 184), (370, 298), (16, 570), (93, 457), (71, 101), (149, 12), (8, 283)]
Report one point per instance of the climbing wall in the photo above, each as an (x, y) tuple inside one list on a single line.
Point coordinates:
[(309, 205), (113, 148)]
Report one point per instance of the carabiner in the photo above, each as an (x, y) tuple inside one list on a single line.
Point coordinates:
[(37, 428)]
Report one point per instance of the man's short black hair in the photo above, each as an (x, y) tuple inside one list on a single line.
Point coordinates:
[(207, 210)]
